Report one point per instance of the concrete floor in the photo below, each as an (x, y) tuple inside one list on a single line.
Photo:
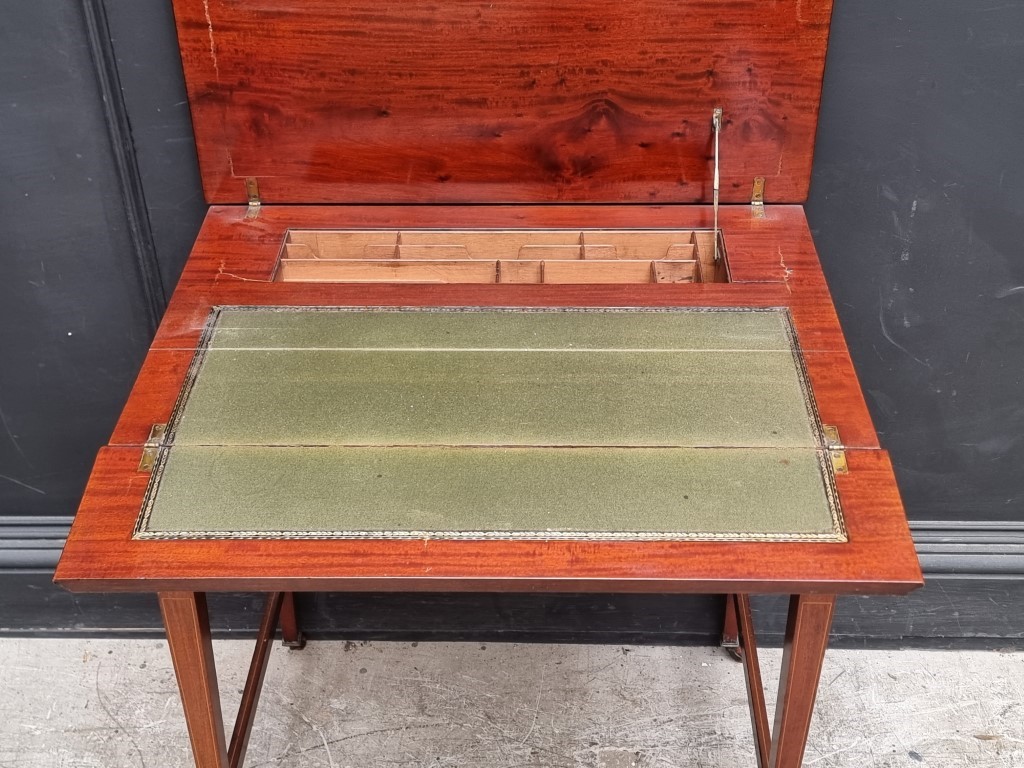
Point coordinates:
[(112, 703)]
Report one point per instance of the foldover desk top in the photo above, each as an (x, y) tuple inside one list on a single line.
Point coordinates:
[(696, 387), (461, 423)]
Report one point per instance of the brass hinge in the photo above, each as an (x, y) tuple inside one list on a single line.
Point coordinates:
[(252, 192), (836, 449), (757, 198), (152, 447)]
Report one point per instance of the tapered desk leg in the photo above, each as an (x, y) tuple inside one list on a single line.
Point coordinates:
[(188, 635), (730, 629), (291, 634), (810, 618)]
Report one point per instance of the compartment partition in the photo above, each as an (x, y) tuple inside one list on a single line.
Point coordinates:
[(566, 256)]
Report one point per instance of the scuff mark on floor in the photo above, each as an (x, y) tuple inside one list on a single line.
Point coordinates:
[(452, 705)]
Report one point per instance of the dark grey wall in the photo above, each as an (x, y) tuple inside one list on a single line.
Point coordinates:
[(145, 47), (96, 216), (915, 207), (74, 319)]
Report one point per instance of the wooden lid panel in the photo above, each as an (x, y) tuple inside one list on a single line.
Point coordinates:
[(339, 101)]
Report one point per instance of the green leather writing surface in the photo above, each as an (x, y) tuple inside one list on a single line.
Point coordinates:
[(488, 329), (685, 423), (486, 492), (587, 397)]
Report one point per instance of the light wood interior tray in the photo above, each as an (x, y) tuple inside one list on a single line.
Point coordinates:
[(565, 256)]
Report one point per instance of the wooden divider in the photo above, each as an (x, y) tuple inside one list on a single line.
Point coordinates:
[(500, 256)]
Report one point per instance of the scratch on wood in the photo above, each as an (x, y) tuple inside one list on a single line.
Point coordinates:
[(786, 271), (213, 45), (222, 273)]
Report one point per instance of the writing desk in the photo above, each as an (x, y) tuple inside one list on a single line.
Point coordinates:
[(774, 532), (514, 296)]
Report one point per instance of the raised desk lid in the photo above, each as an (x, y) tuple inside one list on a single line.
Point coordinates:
[(350, 101)]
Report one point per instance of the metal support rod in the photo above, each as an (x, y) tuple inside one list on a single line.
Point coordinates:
[(716, 125)]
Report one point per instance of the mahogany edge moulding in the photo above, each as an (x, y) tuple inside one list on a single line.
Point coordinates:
[(103, 557), (231, 264)]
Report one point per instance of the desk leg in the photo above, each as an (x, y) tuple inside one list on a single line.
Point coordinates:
[(291, 634), (188, 635), (810, 618), (730, 629)]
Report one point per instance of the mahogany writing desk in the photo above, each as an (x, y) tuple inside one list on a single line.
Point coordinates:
[(389, 389)]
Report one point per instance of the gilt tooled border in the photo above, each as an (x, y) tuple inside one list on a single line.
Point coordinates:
[(838, 534)]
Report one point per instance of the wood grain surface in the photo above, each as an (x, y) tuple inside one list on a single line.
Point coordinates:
[(807, 630), (773, 263), (506, 101), (188, 637)]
